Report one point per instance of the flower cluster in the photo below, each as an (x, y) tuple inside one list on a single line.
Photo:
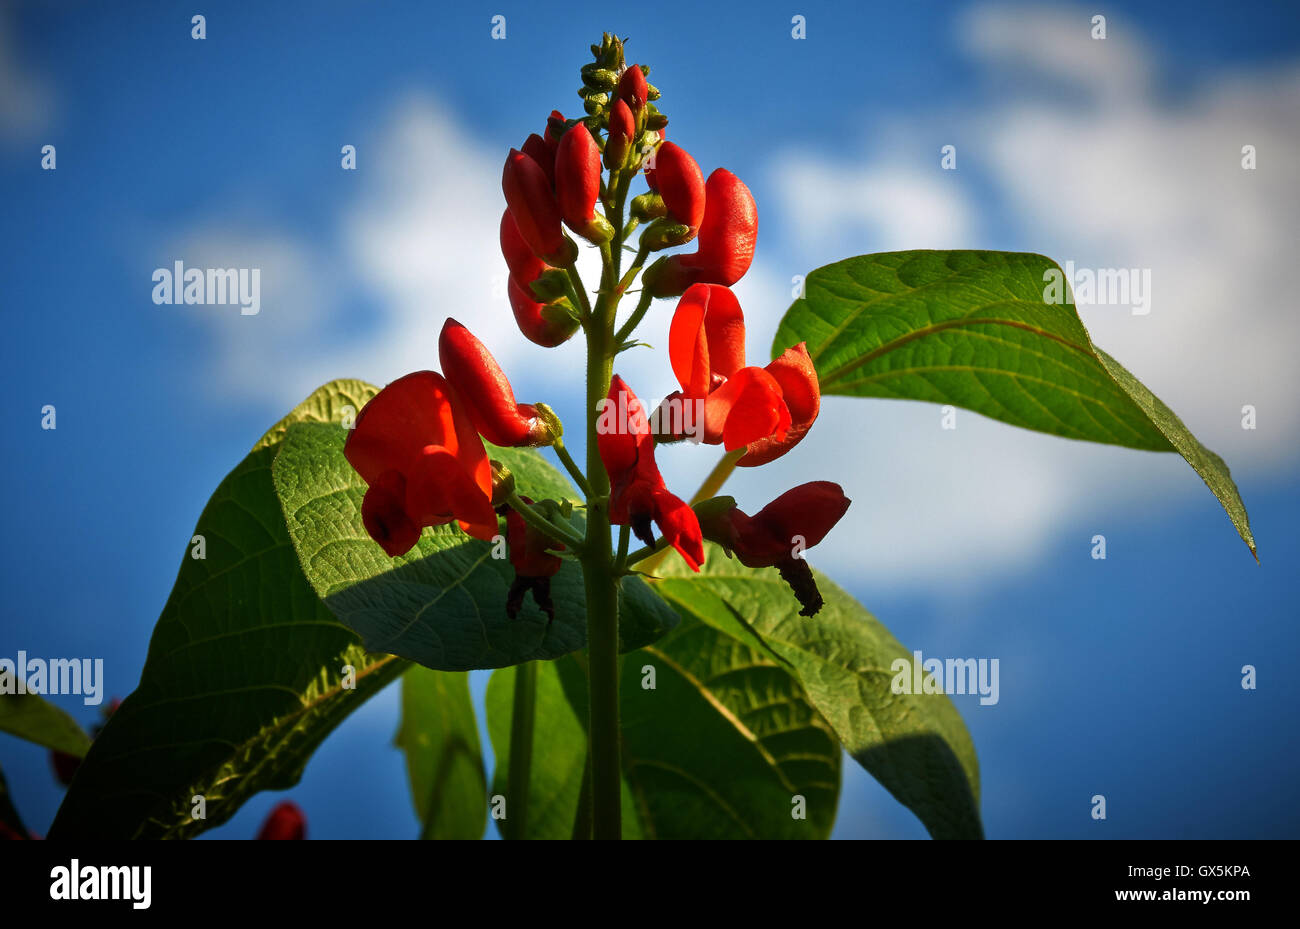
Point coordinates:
[(418, 443)]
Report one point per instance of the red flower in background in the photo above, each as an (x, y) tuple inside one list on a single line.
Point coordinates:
[(638, 495), (416, 447), (534, 565), (286, 821), (777, 535)]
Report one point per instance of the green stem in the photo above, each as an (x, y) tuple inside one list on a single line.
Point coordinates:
[(718, 476), (642, 553), (599, 577), (635, 319), (544, 525), (572, 467), (580, 290), (522, 717)]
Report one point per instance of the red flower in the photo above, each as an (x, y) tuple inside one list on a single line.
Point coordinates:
[(767, 409), (577, 184), (286, 821), (794, 373), (545, 328), (535, 212), (638, 495), (681, 184), (622, 132), (542, 152), (486, 391), (726, 240), (534, 565), (777, 535), (632, 89), (416, 447)]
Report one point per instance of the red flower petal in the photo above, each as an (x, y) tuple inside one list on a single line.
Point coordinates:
[(795, 373), (706, 338)]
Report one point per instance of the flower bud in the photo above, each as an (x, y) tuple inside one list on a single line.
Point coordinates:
[(654, 120), (486, 392), (535, 147), (285, 821), (726, 241), (520, 259), (534, 210), (537, 324), (577, 185), (598, 78), (681, 185), (647, 206), (632, 89), (555, 129), (622, 132)]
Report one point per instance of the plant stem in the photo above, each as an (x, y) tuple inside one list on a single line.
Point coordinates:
[(572, 467), (522, 718), (635, 319), (599, 577), (718, 476)]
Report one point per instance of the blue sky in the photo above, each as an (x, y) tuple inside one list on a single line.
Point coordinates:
[(1117, 677)]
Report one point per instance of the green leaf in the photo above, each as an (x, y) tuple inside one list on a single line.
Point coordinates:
[(245, 672), (723, 745), (915, 745), (973, 329), (32, 717), (443, 603), (444, 763), (726, 745)]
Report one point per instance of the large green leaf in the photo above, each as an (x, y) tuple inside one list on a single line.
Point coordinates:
[(32, 717), (724, 745), (973, 329), (443, 603), (444, 763), (244, 675), (915, 745)]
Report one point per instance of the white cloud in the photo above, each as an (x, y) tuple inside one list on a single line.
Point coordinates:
[(1099, 170)]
